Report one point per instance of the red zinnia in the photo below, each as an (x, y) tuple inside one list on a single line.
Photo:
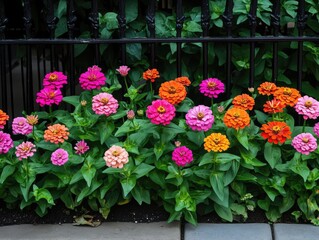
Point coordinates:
[(276, 132)]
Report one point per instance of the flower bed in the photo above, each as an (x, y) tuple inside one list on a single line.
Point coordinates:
[(159, 145)]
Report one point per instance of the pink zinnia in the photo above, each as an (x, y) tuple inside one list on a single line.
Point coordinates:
[(304, 143), (93, 78), (49, 96), (55, 80), (81, 147), (25, 150), (308, 107), (116, 157), (123, 70), (20, 125), (182, 156), (5, 142), (59, 157), (316, 129), (160, 112), (211, 87), (104, 103), (200, 118)]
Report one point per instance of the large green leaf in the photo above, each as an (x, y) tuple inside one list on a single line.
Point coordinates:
[(217, 183), (6, 172), (88, 173), (223, 212), (128, 184), (272, 154)]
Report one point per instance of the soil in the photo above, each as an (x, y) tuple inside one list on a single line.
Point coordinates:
[(131, 212)]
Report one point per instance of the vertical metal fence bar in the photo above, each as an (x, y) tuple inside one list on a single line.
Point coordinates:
[(29, 79), (150, 19), (3, 83), (11, 80), (24, 96), (51, 25), (228, 24), (275, 22), (71, 26), (94, 19), (252, 23), (205, 18), (301, 24), (122, 26), (179, 26)]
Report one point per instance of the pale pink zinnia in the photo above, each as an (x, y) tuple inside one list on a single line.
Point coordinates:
[(211, 87), (182, 156), (116, 157), (104, 104), (59, 157), (48, 96), (6, 142), (123, 70), (81, 147), (93, 78), (200, 118), (55, 80), (20, 125), (316, 129), (308, 107), (25, 150), (304, 143), (160, 112)]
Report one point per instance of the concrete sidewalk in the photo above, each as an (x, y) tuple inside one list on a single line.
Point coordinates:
[(162, 231)]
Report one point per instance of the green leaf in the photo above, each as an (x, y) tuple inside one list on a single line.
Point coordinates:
[(301, 169), (41, 193), (6, 172), (190, 217), (224, 158), (47, 146), (272, 154), (196, 137), (131, 10), (207, 158), (223, 212), (141, 195), (242, 137), (128, 184), (105, 130), (142, 169), (73, 100), (88, 173), (217, 183)]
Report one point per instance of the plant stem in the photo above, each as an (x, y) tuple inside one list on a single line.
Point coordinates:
[(126, 84)]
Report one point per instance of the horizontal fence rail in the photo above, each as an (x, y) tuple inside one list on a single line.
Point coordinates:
[(21, 74)]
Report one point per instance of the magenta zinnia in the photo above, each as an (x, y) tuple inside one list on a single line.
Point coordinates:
[(25, 150), (59, 157), (48, 96), (316, 129), (211, 87), (200, 118), (5, 142), (104, 104), (20, 125), (93, 78), (308, 107), (55, 80), (81, 147), (182, 156), (304, 143), (116, 157), (160, 112)]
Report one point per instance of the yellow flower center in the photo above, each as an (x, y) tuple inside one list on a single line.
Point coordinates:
[(51, 95), (200, 116), (305, 140), (161, 109), (92, 77), (172, 90), (216, 140), (276, 129), (236, 115), (25, 148), (115, 153), (211, 85), (104, 100), (308, 104), (287, 91), (53, 77)]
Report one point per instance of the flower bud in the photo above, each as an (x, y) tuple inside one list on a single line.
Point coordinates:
[(178, 143), (32, 119), (130, 114), (251, 89), (220, 109), (140, 112), (83, 103)]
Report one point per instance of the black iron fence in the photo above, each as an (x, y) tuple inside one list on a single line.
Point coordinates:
[(26, 57)]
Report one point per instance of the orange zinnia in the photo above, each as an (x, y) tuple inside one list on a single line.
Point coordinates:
[(3, 119), (267, 88), (172, 91), (288, 96), (274, 106), (236, 118), (183, 80), (216, 142), (56, 133), (244, 101), (275, 132), (151, 74)]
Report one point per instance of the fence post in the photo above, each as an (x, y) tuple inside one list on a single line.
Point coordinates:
[(179, 26), (301, 24), (252, 23), (3, 23)]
